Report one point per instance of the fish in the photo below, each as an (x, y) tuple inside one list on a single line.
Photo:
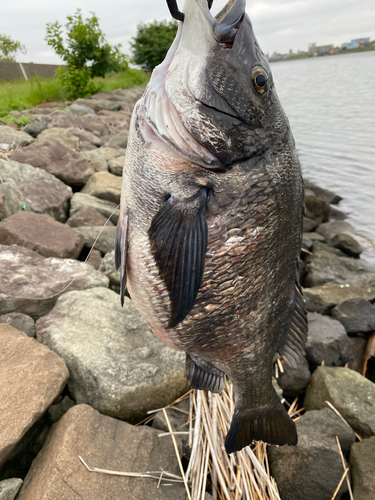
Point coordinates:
[(212, 203)]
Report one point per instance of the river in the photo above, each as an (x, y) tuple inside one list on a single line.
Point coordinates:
[(330, 102)]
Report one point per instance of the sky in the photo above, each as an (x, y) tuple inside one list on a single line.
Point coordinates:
[(280, 25)]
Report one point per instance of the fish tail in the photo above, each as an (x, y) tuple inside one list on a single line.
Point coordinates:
[(273, 427)]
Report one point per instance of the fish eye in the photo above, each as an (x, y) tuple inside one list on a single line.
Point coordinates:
[(260, 78)]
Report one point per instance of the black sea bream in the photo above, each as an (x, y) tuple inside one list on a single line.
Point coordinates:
[(212, 203)]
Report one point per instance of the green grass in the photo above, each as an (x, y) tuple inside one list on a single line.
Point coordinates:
[(20, 94)]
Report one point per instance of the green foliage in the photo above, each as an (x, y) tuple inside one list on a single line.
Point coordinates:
[(151, 43), (9, 48), (85, 52), (20, 121)]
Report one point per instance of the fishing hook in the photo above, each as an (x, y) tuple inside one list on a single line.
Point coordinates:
[(177, 14)]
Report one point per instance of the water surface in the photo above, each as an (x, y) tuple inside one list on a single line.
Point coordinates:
[(330, 102)]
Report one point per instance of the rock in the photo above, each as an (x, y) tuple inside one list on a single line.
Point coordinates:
[(119, 140), (116, 165), (35, 128), (314, 237), (362, 469), (320, 246), (317, 209), (30, 283), (108, 267), (347, 244), (325, 194), (293, 381), (306, 243), (98, 104), (357, 315), (80, 110), (337, 214), (38, 190), (323, 267), (99, 158), (9, 488), (10, 138), (57, 159), (87, 216), (105, 186), (95, 259), (106, 208), (312, 470), (12, 199), (2, 204), (56, 411), (327, 341), (62, 135), (41, 234), (106, 240), (350, 393), (31, 378), (323, 298), (106, 443), (116, 364), (20, 322), (358, 349), (85, 137), (92, 123), (309, 225)]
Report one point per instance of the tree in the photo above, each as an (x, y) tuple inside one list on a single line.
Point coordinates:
[(85, 52), (9, 48), (151, 43)]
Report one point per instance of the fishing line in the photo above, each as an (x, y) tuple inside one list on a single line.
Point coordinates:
[(87, 258)]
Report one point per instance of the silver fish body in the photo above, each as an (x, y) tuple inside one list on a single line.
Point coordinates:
[(211, 215)]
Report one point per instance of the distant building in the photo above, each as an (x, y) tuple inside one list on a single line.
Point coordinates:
[(319, 50), (358, 42)]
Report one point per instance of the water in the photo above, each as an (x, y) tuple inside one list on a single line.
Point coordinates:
[(330, 102)]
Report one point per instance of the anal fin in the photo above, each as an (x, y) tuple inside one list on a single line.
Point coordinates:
[(273, 427), (203, 375)]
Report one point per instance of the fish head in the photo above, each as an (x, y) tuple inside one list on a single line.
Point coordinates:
[(219, 86)]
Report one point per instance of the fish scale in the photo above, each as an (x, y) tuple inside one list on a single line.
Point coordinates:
[(211, 216)]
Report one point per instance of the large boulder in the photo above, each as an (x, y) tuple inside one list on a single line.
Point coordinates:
[(105, 186), (116, 165), (102, 237), (9, 488), (87, 216), (327, 342), (62, 135), (294, 380), (30, 283), (362, 469), (350, 393), (118, 140), (357, 315), (116, 364), (312, 470), (42, 234), (317, 209), (89, 122), (342, 235), (20, 322), (103, 442), (31, 378), (12, 138), (99, 158), (106, 208), (52, 156), (30, 188), (325, 194), (98, 104)]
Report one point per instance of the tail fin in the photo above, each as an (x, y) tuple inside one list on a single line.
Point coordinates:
[(273, 427)]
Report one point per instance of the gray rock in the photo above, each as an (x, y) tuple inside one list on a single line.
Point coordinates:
[(358, 349), (313, 469), (108, 267), (314, 237), (20, 322), (106, 208), (317, 209), (350, 393), (115, 362), (306, 243), (309, 224), (99, 158), (357, 315), (98, 104), (39, 191), (88, 217), (324, 194), (323, 298), (62, 135), (35, 128), (293, 381), (327, 341), (30, 283), (80, 110), (12, 197), (119, 140), (116, 165), (94, 258), (337, 214), (324, 267), (347, 244), (9, 488), (107, 443), (103, 237), (85, 137), (2, 204), (105, 186), (320, 246), (11, 138), (362, 469), (92, 123)]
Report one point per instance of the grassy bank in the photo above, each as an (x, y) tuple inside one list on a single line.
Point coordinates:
[(20, 94)]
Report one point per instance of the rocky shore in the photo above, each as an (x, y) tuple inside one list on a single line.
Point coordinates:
[(77, 371)]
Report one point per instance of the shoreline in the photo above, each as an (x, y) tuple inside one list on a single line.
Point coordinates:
[(308, 56)]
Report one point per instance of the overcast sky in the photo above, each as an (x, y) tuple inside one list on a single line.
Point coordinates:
[(280, 25)]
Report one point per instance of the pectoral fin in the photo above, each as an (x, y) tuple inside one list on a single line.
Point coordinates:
[(178, 238), (121, 250)]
